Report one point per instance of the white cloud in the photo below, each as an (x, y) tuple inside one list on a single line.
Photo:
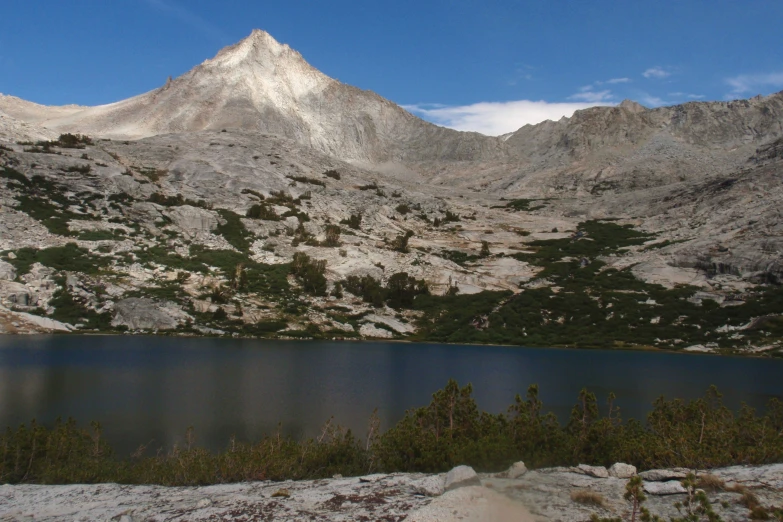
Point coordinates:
[(496, 118), (592, 96), (755, 82), (189, 18), (686, 95), (656, 72), (651, 101), (617, 80)]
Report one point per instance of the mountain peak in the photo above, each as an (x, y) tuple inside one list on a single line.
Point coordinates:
[(258, 46), (632, 106)]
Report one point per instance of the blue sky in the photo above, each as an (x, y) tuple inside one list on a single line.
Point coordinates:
[(487, 65)]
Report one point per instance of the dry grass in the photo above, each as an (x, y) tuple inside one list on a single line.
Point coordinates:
[(588, 498), (747, 497), (711, 483)]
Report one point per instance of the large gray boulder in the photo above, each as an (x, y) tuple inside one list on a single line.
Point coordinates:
[(516, 470), (429, 486), (192, 220), (16, 294), (7, 271), (145, 314), (593, 471), (672, 487), (461, 476), (622, 471), (660, 475)]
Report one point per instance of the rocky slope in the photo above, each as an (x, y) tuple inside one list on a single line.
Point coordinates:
[(261, 197), (556, 494)]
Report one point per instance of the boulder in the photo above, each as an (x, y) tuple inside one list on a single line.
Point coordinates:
[(461, 476), (44, 322), (7, 271), (660, 475), (430, 486), (192, 220), (395, 324), (622, 471), (16, 294), (593, 471), (672, 487), (516, 470), (143, 314), (369, 330)]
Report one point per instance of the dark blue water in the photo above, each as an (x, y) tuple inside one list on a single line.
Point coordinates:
[(150, 389)]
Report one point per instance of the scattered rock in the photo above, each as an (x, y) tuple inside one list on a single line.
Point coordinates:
[(516, 470), (431, 486), (672, 487), (15, 294), (461, 476), (659, 475), (621, 470), (191, 220), (593, 471), (7, 270), (370, 330), (138, 313)]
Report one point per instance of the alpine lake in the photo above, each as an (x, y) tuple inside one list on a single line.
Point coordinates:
[(148, 390)]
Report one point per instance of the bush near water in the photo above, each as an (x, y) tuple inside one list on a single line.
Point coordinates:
[(451, 430)]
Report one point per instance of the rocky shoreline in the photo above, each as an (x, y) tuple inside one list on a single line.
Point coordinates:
[(552, 494)]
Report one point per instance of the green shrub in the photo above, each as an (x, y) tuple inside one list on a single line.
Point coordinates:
[(99, 235), (309, 181), (399, 292), (261, 211), (81, 169), (400, 243), (455, 256), (403, 208), (14, 175), (73, 141), (522, 205), (402, 289), (234, 231), (70, 257), (450, 217), (332, 236), (310, 273), (253, 193), (353, 222), (69, 309), (450, 430)]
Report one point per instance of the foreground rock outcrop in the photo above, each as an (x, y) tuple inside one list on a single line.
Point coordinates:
[(554, 494)]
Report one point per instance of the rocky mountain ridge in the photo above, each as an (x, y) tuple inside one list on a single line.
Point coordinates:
[(269, 199)]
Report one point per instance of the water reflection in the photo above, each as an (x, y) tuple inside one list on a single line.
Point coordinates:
[(150, 389)]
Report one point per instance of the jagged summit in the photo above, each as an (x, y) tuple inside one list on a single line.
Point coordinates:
[(258, 48), (632, 106)]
